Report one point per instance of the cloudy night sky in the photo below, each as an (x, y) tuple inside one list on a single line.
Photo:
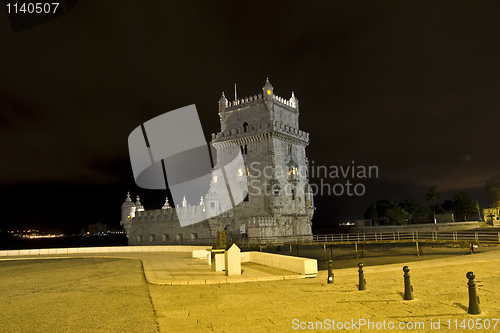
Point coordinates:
[(410, 87)]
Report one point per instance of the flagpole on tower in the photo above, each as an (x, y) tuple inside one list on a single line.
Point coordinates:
[(235, 95)]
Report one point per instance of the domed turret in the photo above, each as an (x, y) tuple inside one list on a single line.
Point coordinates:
[(267, 90), (128, 212), (128, 208), (294, 102), (138, 206), (223, 103), (211, 201), (166, 205)]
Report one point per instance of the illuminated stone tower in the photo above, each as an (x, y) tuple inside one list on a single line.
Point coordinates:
[(265, 127), (279, 202)]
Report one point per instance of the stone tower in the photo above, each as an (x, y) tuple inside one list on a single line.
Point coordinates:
[(279, 201), (265, 127)]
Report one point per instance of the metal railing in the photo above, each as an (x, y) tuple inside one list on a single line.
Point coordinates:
[(408, 236), (385, 237)]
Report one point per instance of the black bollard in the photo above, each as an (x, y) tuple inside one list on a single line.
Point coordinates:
[(408, 287), (330, 272), (473, 298), (362, 281)]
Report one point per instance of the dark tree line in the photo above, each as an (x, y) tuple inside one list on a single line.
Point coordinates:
[(398, 211), (404, 211)]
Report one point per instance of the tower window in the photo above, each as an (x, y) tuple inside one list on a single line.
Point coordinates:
[(276, 192), (245, 149), (290, 149), (293, 194), (245, 127), (212, 205)]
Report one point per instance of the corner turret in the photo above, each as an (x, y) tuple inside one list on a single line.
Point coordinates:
[(138, 206), (128, 213), (223, 102), (268, 90)]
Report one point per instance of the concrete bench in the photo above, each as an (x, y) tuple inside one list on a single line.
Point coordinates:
[(200, 254)]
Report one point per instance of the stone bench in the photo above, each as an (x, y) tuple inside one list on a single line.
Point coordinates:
[(200, 254)]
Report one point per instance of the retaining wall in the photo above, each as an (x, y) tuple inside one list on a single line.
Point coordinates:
[(108, 249), (303, 266)]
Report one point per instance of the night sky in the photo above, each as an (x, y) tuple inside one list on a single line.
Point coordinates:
[(410, 87)]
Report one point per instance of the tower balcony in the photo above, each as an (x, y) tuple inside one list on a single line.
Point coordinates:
[(262, 128)]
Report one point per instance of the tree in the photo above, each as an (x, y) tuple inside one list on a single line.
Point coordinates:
[(433, 194), (398, 215), (493, 189), (464, 206), (414, 208), (400, 211), (447, 205), (371, 212)]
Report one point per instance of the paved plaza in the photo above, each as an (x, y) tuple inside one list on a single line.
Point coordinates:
[(106, 293)]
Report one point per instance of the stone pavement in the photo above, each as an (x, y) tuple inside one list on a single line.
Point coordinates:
[(178, 268), (312, 305)]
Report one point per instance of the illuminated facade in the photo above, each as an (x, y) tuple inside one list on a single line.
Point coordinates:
[(279, 202)]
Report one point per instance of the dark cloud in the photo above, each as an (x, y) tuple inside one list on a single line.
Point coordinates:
[(409, 87)]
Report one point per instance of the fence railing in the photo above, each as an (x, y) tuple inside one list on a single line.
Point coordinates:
[(413, 236), (353, 238)]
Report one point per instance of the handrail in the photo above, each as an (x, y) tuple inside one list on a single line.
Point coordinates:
[(476, 237)]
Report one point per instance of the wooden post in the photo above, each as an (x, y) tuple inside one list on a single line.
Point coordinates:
[(417, 249), (324, 250), (356, 247)]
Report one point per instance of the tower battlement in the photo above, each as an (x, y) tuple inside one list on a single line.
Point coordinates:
[(291, 104), (262, 128)]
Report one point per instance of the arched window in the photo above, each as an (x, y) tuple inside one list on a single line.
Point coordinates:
[(245, 126)]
